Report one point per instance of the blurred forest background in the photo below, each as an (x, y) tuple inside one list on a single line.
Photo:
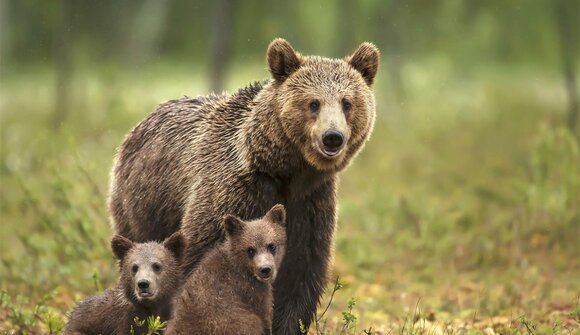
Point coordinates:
[(460, 216)]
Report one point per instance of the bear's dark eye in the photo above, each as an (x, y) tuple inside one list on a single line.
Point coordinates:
[(251, 251), (135, 268), (346, 105), (272, 248), (314, 106), (156, 267)]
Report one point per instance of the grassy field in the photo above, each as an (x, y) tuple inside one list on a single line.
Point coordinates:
[(461, 216)]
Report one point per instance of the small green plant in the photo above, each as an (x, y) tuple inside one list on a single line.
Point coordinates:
[(54, 323), (575, 313), (530, 325), (320, 322), (138, 323), (24, 318), (303, 329), (348, 317), (4, 299), (154, 325), (97, 281)]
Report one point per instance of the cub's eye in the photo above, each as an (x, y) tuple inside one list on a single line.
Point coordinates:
[(251, 252), (272, 248), (135, 268), (346, 105), (314, 106), (156, 267)]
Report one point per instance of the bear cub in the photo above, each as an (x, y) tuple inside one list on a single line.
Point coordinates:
[(230, 292), (150, 275)]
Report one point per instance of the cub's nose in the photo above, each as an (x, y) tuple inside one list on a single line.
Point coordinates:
[(143, 284), (265, 270), (332, 140)]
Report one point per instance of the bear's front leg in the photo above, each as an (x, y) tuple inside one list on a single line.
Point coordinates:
[(303, 275)]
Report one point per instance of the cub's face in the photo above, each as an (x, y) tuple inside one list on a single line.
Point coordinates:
[(327, 107), (150, 272), (258, 246)]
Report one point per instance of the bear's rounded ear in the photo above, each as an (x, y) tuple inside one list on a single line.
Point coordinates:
[(366, 61), (120, 246), (277, 214), (282, 59), (175, 243), (234, 226)]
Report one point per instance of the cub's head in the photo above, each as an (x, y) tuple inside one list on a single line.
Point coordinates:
[(150, 272), (258, 246), (326, 106)]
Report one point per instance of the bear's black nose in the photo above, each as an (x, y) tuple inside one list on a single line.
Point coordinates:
[(143, 284), (332, 139), (265, 270)]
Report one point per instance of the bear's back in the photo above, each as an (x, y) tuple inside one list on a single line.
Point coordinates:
[(105, 313), (161, 157)]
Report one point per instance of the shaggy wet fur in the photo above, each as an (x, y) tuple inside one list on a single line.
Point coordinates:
[(194, 160), (227, 293), (114, 311)]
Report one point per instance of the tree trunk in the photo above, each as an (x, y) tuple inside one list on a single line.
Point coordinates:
[(221, 42), (346, 27), (63, 63), (146, 29), (566, 16), (392, 42)]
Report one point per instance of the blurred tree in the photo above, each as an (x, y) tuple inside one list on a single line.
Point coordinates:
[(566, 17), (392, 40), (221, 42), (346, 26), (145, 30), (4, 32), (63, 62)]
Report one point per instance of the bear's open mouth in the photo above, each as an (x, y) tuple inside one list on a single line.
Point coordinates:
[(264, 278), (145, 294), (330, 152)]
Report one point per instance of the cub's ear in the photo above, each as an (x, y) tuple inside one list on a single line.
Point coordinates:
[(366, 61), (120, 246), (277, 214), (282, 59), (176, 244), (234, 226)]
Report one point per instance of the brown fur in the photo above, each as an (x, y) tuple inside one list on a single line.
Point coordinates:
[(113, 311), (227, 293), (193, 160)]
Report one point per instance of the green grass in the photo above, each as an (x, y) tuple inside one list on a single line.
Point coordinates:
[(461, 214)]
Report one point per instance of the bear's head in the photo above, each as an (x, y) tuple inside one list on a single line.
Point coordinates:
[(326, 106), (150, 272), (257, 247)]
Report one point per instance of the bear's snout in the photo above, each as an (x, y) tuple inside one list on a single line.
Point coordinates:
[(332, 141), (145, 289), (143, 284), (265, 270)]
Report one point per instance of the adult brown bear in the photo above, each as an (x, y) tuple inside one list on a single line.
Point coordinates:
[(194, 160)]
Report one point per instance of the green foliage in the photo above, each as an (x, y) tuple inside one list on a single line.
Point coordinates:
[(302, 326), (347, 316), (54, 323), (154, 325), (25, 318)]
